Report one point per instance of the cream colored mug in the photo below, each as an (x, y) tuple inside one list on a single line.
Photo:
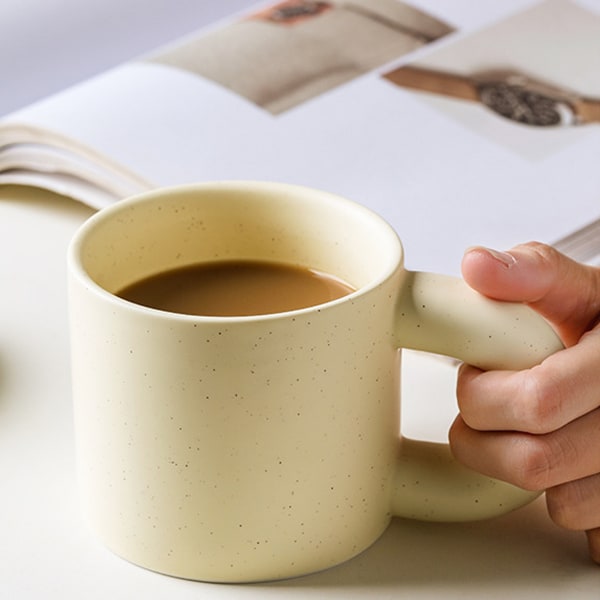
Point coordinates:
[(240, 449)]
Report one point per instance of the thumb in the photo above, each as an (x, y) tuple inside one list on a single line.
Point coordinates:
[(565, 292)]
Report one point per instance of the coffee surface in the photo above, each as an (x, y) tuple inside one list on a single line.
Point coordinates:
[(235, 288)]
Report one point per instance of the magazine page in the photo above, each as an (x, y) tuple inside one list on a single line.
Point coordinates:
[(278, 53), (446, 171)]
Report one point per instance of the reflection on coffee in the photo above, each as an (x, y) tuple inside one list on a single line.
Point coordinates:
[(235, 288)]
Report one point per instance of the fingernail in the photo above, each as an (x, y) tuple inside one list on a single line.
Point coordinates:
[(508, 260)]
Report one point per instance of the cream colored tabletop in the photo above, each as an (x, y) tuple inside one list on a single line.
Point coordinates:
[(47, 551)]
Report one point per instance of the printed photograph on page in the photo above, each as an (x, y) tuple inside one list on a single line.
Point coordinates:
[(292, 51), (530, 83)]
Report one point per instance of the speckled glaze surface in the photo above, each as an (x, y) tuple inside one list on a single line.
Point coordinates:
[(256, 448)]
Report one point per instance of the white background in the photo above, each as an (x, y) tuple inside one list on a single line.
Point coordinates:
[(48, 45)]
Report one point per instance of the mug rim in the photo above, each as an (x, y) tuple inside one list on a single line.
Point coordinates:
[(77, 270)]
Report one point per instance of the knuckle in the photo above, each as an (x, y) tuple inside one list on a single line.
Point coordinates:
[(541, 401), (543, 252), (540, 459), (533, 463)]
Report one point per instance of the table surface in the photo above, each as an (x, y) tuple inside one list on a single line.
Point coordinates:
[(46, 549)]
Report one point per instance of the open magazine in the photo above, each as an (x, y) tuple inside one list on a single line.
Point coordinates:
[(455, 136)]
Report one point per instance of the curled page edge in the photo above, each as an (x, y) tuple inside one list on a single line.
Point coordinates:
[(41, 158), (19, 133), (65, 185)]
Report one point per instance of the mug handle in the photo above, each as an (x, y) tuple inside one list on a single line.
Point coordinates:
[(442, 314)]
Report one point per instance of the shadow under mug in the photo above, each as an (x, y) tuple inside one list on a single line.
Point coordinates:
[(239, 449)]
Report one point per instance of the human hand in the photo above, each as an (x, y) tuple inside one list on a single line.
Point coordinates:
[(539, 428)]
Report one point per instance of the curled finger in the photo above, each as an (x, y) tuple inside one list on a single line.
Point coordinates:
[(532, 462), (540, 400), (576, 504), (593, 536)]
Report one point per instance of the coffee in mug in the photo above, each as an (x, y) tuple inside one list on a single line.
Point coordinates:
[(236, 288)]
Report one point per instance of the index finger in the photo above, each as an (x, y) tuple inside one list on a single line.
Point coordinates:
[(540, 400)]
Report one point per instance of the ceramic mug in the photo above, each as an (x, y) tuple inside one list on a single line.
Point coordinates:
[(239, 449)]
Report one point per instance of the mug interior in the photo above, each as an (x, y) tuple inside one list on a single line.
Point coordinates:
[(180, 226)]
